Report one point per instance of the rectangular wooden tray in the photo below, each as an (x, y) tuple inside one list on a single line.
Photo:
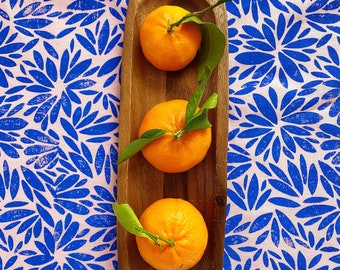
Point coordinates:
[(139, 184)]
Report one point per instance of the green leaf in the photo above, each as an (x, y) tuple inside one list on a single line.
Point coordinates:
[(195, 100), (211, 102), (212, 49), (135, 146), (127, 217), (200, 121)]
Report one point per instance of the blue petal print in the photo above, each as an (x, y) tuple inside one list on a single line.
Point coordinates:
[(324, 18), (253, 191), (290, 68), (334, 71), (331, 174), (13, 215), (260, 222), (81, 164), (32, 179), (253, 58), (283, 187), (100, 221), (86, 44), (99, 129), (303, 118), (265, 108), (109, 66), (33, 23), (314, 210), (85, 5)]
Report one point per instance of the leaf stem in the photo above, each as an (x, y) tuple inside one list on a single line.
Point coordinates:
[(155, 238), (196, 13)]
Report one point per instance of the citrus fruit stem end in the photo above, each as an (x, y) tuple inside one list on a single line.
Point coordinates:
[(196, 13)]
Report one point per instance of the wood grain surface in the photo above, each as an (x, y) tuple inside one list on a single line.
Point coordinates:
[(139, 184)]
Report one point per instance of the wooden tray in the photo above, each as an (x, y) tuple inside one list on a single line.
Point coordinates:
[(139, 184)]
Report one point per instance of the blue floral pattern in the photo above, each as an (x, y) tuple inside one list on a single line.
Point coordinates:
[(59, 107), (283, 160), (59, 102)]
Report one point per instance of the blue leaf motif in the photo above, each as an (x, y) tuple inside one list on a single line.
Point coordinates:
[(266, 108), (232, 195), (233, 222), (284, 202), (86, 44), (104, 193), (301, 262), (305, 145), (9, 150), (109, 66), (292, 32), (11, 261), (283, 187), (264, 197), (51, 70), (92, 17), (253, 132), (314, 210), (32, 179), (253, 191), (74, 193), (85, 5), (331, 129), (74, 245), (287, 223), (4, 14), (12, 123), (103, 36), (260, 222), (68, 127), (49, 240), (77, 70), (235, 239), (334, 71), (295, 176), (41, 78), (303, 118), (7, 62), (238, 171), (100, 129), (301, 43), (290, 67), (324, 18), (330, 173), (69, 234), (33, 23), (17, 214), (81, 84), (289, 259), (100, 221), (99, 159), (51, 50), (39, 259), (45, 215), (81, 164), (11, 48), (28, 10), (253, 58)]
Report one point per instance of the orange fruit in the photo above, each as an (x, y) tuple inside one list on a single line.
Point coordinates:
[(169, 51), (178, 220), (172, 153)]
